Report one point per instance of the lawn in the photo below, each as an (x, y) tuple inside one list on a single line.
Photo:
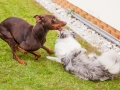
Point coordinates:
[(40, 74)]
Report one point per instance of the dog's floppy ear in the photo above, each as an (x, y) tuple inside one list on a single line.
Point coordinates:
[(39, 18)]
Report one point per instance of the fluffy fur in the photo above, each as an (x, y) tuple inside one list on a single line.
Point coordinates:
[(88, 67)]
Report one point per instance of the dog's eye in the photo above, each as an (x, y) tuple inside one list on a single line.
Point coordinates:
[(53, 20)]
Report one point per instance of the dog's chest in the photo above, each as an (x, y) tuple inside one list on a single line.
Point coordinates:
[(64, 46)]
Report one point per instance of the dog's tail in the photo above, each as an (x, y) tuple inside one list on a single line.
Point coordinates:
[(53, 59), (111, 61)]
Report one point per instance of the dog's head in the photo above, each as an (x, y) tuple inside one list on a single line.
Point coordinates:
[(50, 22), (66, 33)]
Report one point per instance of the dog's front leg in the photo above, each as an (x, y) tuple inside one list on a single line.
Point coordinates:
[(47, 49)]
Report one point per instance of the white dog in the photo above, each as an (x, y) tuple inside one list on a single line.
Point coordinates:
[(88, 67)]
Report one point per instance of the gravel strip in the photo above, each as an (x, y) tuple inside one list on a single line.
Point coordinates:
[(77, 26)]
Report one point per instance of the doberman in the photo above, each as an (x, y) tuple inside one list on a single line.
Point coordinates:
[(24, 37)]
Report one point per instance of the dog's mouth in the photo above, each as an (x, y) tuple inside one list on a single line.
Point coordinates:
[(59, 28)]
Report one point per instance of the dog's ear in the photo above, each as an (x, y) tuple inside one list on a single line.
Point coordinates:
[(42, 18), (39, 18), (35, 16)]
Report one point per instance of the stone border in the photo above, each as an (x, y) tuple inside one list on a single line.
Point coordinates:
[(65, 4)]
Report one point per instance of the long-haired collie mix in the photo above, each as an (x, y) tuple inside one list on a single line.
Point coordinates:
[(88, 67)]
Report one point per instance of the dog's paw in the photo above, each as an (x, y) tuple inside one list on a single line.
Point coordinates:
[(37, 56), (22, 62), (50, 52)]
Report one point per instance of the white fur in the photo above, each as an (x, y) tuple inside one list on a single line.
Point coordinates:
[(63, 46), (109, 59)]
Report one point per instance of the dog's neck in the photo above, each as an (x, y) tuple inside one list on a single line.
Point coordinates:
[(39, 32)]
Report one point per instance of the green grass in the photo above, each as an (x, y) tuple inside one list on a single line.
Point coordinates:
[(41, 74)]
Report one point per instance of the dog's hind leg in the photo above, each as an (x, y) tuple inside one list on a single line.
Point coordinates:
[(47, 49), (8, 38), (20, 49), (12, 43)]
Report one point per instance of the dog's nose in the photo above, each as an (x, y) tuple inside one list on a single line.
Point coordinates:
[(64, 23)]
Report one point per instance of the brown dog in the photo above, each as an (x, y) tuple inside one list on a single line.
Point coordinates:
[(24, 37)]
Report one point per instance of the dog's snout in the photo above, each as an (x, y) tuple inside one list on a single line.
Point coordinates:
[(64, 23)]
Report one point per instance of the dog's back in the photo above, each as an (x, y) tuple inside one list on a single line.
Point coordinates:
[(17, 28)]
